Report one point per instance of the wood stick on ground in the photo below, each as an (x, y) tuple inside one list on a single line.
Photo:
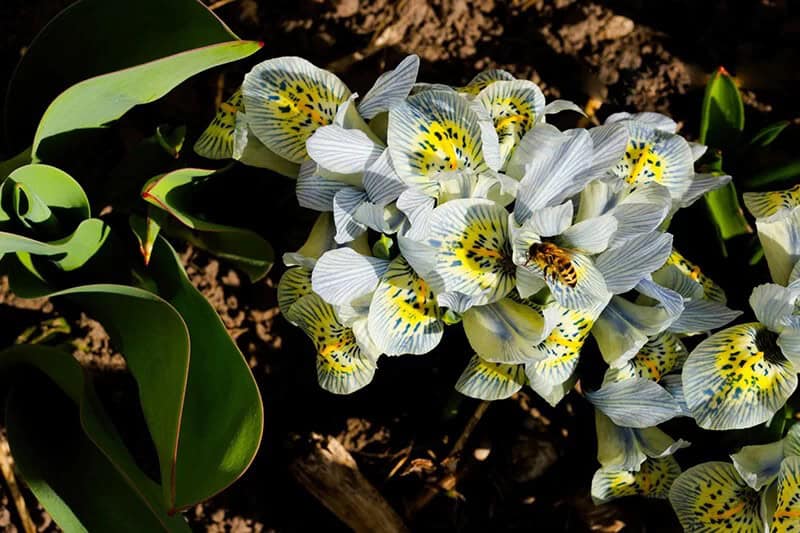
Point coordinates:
[(328, 471), (7, 469), (448, 481)]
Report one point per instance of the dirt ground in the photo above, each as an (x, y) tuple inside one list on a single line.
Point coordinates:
[(527, 466)]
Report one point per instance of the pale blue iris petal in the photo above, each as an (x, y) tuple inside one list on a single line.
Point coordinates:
[(345, 205), (623, 267), (390, 88), (340, 276), (773, 305), (635, 402), (759, 465), (590, 236)]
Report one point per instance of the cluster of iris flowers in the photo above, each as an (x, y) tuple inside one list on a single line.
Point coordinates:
[(482, 214)]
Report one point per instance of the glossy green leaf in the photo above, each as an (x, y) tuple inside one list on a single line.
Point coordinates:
[(65, 447), (45, 199), (780, 174), (68, 253), (97, 101), (223, 417), (721, 124), (174, 193), (94, 37), (722, 119), (768, 134), (151, 335)]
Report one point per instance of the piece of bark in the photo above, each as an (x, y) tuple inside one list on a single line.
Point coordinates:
[(328, 471)]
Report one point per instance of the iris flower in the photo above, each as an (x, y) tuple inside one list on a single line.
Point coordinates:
[(759, 492), (778, 222), (742, 375), (346, 354)]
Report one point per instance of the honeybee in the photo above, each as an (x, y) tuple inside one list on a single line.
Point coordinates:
[(554, 261)]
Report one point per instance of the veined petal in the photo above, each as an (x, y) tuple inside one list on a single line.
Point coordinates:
[(701, 184), (789, 342), (713, 497), (553, 168), (550, 221), (342, 368), (320, 240), (653, 480), (659, 356), (418, 208), (484, 79), (514, 107), (287, 99), (403, 315), (640, 212), (507, 331), (391, 88), (787, 512), (249, 150), (737, 378), (703, 315), (791, 443), (216, 142), (473, 252), (340, 276), (345, 205), (654, 120), (529, 282), (609, 144), (759, 465), (342, 151), (590, 236), (552, 393), (780, 238), (557, 106), (711, 290), (618, 340), (673, 384), (773, 305), (772, 204), (653, 155), (381, 182), (431, 132), (314, 191), (617, 447), (625, 266), (657, 444), (294, 284), (635, 403), (490, 381)]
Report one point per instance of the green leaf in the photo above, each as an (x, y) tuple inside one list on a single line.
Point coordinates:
[(223, 417), (789, 171), (151, 335), (69, 253), (721, 124), (66, 448), (175, 193), (45, 199), (726, 212), (722, 119), (94, 37), (768, 134), (97, 101)]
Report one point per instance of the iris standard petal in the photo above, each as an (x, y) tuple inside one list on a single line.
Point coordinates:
[(340, 276), (391, 88), (635, 403), (759, 465)]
